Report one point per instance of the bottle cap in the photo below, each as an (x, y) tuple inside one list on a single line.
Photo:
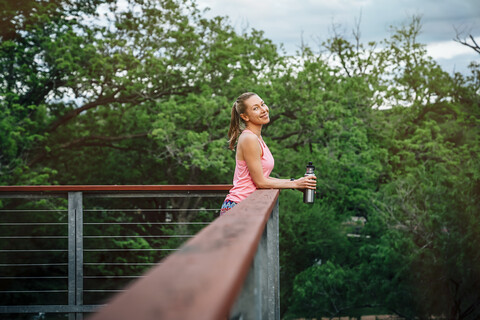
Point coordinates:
[(310, 165)]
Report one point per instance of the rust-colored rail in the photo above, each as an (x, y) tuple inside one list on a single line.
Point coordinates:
[(203, 279), (86, 188)]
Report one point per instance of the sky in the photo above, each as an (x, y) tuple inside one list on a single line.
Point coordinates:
[(288, 21)]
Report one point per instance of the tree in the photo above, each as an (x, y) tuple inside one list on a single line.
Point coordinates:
[(433, 190), (322, 115), (407, 264), (39, 44), (106, 91)]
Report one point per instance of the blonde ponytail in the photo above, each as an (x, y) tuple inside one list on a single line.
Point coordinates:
[(236, 122)]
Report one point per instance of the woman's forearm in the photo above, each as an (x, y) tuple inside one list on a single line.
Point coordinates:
[(274, 183)]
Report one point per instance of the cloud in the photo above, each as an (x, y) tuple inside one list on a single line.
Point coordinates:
[(286, 21), (280, 19), (448, 49)]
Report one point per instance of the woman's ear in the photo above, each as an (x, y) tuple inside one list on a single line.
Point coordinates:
[(244, 117)]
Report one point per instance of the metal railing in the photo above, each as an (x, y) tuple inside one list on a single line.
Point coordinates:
[(229, 270), (64, 250)]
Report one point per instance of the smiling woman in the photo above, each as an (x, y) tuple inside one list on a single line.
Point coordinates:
[(254, 161)]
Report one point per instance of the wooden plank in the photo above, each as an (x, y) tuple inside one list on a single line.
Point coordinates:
[(203, 279), (87, 188)]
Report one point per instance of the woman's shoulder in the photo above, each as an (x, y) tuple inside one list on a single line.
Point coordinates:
[(247, 136), (249, 142)]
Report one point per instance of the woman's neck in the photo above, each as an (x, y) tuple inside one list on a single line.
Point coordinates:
[(257, 129)]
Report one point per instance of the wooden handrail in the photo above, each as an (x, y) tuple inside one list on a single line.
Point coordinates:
[(202, 279), (86, 188)]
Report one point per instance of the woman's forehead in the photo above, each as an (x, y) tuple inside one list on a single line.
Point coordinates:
[(253, 100)]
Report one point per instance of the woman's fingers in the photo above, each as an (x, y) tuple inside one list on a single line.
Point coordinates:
[(308, 182)]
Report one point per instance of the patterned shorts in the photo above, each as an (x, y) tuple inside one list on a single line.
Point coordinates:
[(227, 205)]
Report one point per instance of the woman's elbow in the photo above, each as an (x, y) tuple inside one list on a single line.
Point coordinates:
[(261, 184)]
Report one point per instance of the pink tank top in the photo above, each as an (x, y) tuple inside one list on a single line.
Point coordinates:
[(243, 184)]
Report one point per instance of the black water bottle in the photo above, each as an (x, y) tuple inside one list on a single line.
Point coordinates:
[(309, 194)]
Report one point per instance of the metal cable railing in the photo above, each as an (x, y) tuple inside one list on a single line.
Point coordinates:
[(69, 251), (229, 270)]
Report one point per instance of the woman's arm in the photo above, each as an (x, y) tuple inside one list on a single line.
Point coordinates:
[(251, 152)]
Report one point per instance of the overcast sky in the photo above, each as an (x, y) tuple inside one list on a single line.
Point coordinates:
[(284, 21)]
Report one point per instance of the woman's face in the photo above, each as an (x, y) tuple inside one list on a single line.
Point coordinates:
[(256, 111)]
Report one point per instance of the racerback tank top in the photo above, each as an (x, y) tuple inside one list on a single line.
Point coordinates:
[(243, 184)]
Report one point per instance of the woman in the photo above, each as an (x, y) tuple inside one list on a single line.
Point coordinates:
[(254, 162)]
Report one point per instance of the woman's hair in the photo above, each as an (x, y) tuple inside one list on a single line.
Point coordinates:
[(236, 122)]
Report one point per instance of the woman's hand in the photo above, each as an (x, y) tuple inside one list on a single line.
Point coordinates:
[(306, 182)]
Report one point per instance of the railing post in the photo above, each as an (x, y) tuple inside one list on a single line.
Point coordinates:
[(260, 295), (273, 252), (75, 252)]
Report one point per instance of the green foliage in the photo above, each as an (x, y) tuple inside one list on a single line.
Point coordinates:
[(416, 169), (324, 289)]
